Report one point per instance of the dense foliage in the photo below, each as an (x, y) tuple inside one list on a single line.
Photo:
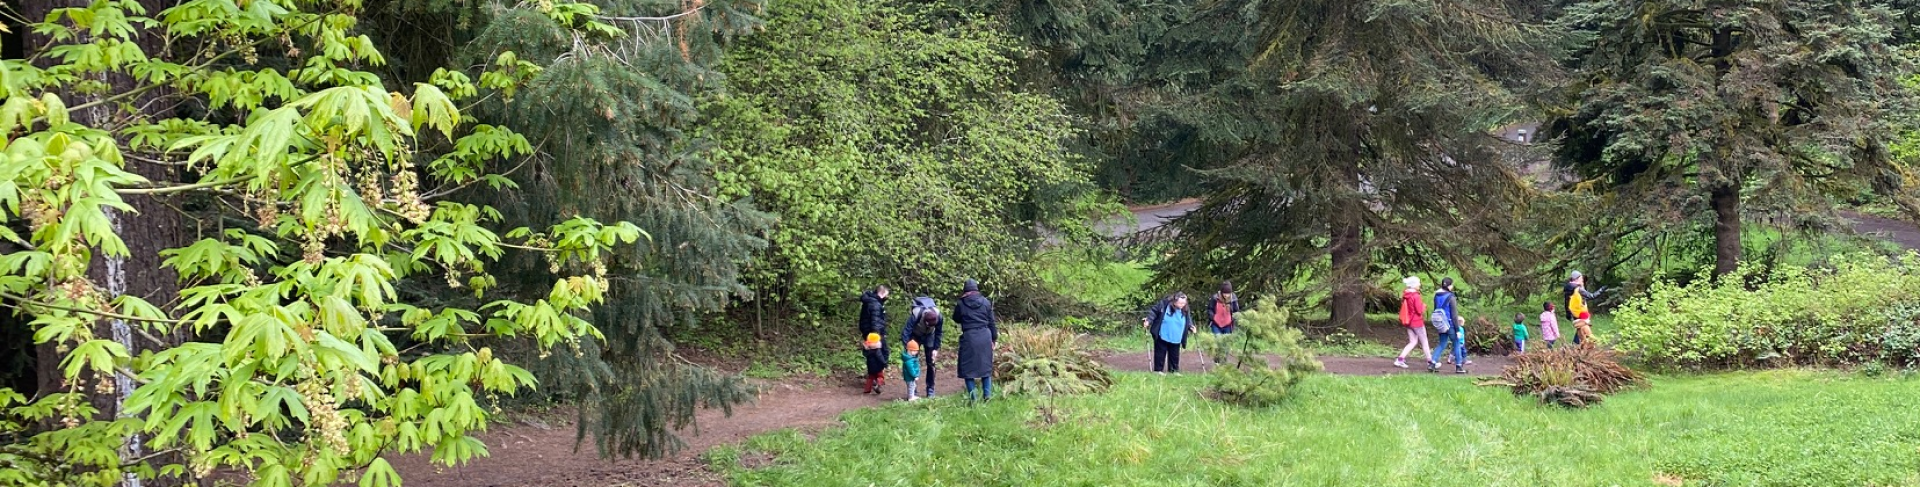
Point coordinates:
[(320, 183), (1246, 372), (1048, 361), (1736, 110), (610, 115), (1361, 144), (1861, 309), (894, 149)]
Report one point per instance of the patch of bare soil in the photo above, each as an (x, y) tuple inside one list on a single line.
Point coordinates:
[(532, 452), (1196, 362), (1901, 232)]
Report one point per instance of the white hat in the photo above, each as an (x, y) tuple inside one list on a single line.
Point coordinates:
[(1411, 282)]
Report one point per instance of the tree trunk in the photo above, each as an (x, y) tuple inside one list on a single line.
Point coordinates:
[(1349, 304), (1349, 262), (1726, 229)]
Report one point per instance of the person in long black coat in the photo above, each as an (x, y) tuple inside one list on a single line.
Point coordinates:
[(979, 330), (873, 319)]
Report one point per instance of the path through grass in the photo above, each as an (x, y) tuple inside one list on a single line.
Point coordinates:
[(1766, 429)]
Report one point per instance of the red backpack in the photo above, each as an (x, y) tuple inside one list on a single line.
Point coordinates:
[(1222, 313)]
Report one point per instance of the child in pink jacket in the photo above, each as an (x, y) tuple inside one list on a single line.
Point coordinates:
[(1549, 326)]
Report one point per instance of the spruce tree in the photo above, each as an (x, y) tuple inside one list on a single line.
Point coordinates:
[(1738, 110), (609, 115), (1362, 143)]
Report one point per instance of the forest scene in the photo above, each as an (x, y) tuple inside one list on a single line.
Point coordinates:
[(677, 243)]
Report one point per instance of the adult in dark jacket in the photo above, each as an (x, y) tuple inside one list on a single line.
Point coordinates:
[(924, 326), (873, 320), (1169, 322), (979, 331), (1221, 309)]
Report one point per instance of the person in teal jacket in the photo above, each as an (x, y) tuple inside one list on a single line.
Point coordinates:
[(1520, 333)]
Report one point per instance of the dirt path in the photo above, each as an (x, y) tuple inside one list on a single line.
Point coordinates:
[(538, 453), (1195, 362), (1904, 233)]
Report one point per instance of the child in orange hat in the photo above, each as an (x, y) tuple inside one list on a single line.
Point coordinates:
[(876, 362), (910, 368)]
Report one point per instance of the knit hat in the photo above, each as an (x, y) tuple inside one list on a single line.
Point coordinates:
[(971, 286), (1574, 275), (873, 338), (913, 346), (1411, 282), (1585, 315)]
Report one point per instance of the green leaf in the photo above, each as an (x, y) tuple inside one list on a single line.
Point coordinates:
[(99, 356), (380, 474)]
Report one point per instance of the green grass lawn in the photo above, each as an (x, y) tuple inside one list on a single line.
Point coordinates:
[(1772, 428)]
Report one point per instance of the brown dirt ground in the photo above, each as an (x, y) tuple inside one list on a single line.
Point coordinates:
[(1901, 232), (533, 452), (1196, 362)]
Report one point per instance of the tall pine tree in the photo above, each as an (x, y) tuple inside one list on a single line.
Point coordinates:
[(608, 113), (1363, 135), (1739, 110)]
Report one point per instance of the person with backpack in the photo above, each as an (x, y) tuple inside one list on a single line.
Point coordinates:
[(1222, 307), (1446, 321), (1413, 313), (979, 331), (873, 321), (924, 328), (1577, 297), (1169, 322)]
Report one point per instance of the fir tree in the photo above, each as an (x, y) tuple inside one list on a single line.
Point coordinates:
[(1740, 110), (1361, 134), (610, 119)]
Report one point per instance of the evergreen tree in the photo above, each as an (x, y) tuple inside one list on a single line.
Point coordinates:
[(1098, 57), (609, 115), (1739, 110), (1362, 140)]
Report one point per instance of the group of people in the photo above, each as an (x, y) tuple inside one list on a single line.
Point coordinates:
[(920, 341), (1170, 322), (1446, 320)]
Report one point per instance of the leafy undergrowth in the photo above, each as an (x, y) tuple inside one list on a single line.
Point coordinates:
[(1775, 428), (1048, 361)]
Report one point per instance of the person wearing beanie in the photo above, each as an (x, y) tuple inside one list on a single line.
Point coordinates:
[(1576, 295), (1413, 314), (979, 331)]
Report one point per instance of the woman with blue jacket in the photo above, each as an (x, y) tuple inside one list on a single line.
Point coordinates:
[(1446, 307)]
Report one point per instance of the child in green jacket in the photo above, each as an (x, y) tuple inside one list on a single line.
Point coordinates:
[(1520, 333)]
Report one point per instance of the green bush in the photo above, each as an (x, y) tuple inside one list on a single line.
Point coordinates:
[(1248, 373), (1861, 309), (1048, 361)]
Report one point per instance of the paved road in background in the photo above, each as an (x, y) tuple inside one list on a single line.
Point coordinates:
[(1904, 233), (1148, 218)]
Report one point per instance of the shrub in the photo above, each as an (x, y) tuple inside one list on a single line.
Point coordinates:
[(1486, 337), (1048, 361), (1569, 376), (1862, 308), (1261, 361)]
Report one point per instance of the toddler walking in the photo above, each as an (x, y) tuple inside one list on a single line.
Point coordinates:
[(1519, 333), (1549, 326)]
